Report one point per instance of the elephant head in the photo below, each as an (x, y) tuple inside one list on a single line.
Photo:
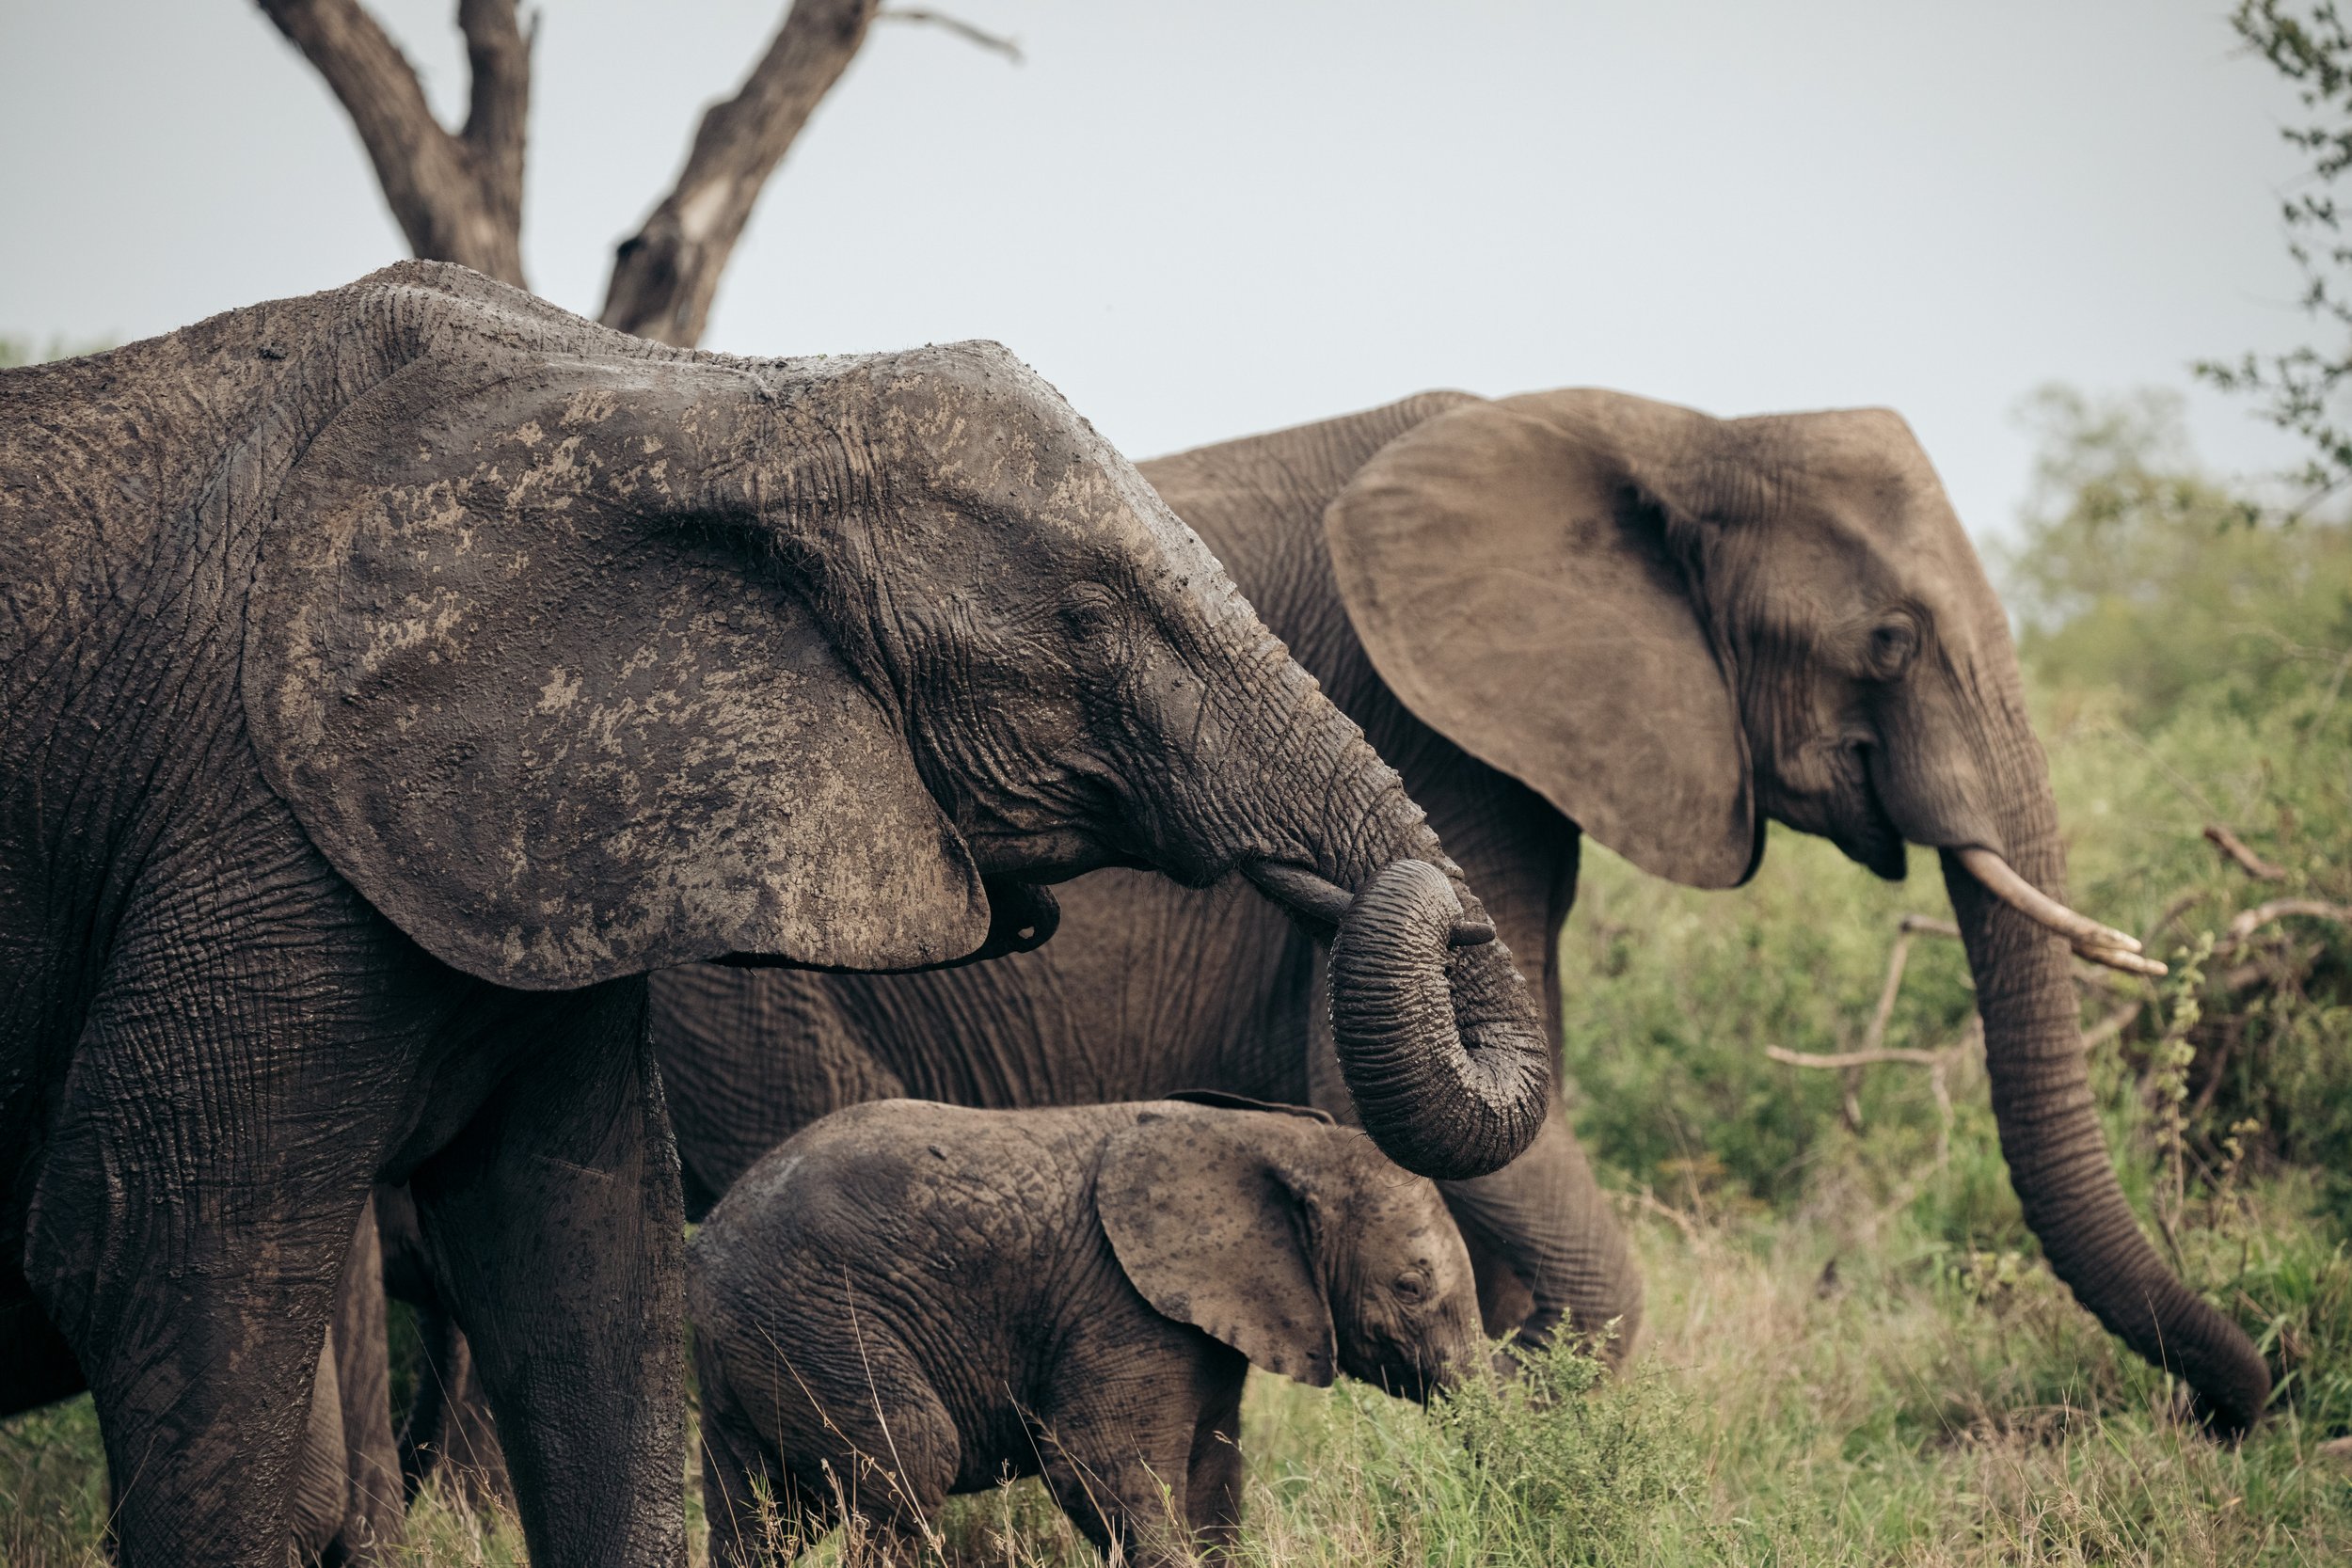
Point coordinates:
[(579, 657), (1295, 1242), (1673, 627)]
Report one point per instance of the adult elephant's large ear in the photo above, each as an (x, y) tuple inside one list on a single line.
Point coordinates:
[(529, 661), (1507, 567)]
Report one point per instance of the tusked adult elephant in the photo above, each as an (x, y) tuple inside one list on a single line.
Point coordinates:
[(1571, 610), (392, 676)]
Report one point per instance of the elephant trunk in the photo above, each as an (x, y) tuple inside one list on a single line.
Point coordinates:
[(1438, 1042), (1437, 1036), (2050, 1136)]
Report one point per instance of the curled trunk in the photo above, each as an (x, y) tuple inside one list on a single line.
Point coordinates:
[(2058, 1158), (1439, 1043)]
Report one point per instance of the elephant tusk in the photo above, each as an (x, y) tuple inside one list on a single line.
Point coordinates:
[(2130, 963), (1296, 888), (2101, 945)]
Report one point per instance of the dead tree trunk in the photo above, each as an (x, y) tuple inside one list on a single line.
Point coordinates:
[(458, 197), (665, 274)]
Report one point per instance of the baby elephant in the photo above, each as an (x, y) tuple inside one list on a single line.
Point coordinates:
[(907, 1300)]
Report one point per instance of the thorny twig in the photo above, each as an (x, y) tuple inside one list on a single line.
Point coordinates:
[(1874, 1048), (2222, 838), (1008, 47)]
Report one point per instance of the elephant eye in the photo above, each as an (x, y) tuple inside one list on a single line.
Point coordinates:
[(1411, 1285), (1892, 645), (1089, 610)]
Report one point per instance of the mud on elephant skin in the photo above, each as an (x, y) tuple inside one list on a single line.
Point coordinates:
[(908, 1300), (1560, 614), (394, 675)]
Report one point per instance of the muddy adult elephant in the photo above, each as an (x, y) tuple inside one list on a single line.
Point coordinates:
[(392, 677), (1573, 611)]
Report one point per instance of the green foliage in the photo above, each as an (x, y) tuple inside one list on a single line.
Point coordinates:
[(2309, 44), (53, 1488), (1561, 1465), (2140, 580)]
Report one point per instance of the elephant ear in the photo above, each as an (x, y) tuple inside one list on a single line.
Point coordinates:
[(1227, 1100), (1507, 568), (531, 676), (1212, 1227)]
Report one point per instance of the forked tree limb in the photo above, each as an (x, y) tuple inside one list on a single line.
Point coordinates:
[(665, 274), (498, 104), (457, 197)]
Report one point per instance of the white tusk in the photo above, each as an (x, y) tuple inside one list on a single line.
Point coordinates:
[(2130, 963), (2099, 943)]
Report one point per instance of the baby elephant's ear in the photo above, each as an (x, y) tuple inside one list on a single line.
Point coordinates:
[(1212, 1229), (1228, 1100)]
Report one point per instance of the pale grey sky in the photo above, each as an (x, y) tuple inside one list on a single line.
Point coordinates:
[(1207, 218)]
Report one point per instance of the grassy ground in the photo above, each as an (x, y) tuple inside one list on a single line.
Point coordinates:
[(1909, 1405)]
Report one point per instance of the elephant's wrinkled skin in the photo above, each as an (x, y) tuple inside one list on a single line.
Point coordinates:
[(389, 678), (1562, 610), (914, 1299)]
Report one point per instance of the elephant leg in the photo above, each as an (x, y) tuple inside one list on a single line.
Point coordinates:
[(202, 1187), (37, 1366), (314, 1502), (1213, 1480), (346, 1505), (553, 1224), (448, 1420), (1504, 1302), (1545, 1219), (1124, 1482), (449, 1430), (375, 1505), (757, 1511)]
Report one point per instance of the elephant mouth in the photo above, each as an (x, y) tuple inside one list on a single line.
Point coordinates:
[(1865, 832), (1021, 916), (1321, 902)]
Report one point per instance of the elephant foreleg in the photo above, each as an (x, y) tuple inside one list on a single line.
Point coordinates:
[(346, 1500), (450, 1430), (554, 1228), (192, 1216), (1545, 1219)]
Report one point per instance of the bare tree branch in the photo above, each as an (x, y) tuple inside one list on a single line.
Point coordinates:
[(2113, 1025), (1008, 47), (2248, 922), (2238, 850), (456, 198), (1927, 926), (665, 274), (498, 56), (1839, 1060)]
